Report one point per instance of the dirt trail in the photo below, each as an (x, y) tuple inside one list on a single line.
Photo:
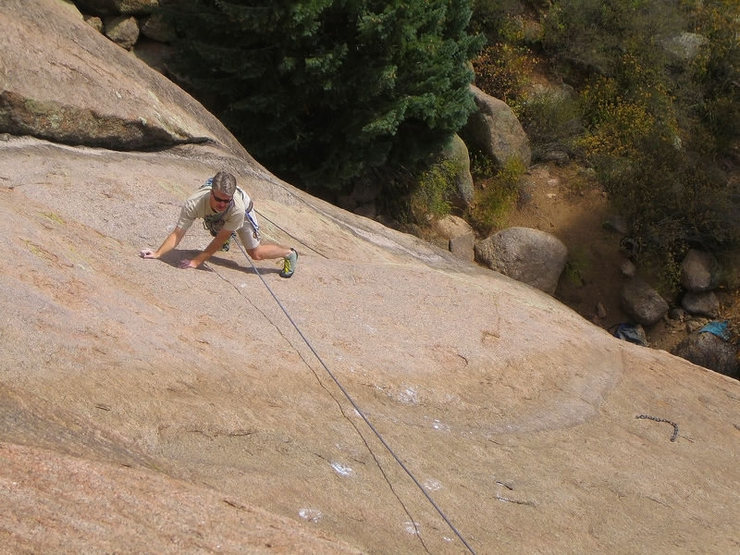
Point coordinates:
[(562, 202)]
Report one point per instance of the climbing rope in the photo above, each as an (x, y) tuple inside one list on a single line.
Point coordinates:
[(261, 215), (355, 405)]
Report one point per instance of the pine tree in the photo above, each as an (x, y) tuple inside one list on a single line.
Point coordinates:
[(322, 91)]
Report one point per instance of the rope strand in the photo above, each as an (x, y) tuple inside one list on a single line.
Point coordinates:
[(356, 406), (261, 215)]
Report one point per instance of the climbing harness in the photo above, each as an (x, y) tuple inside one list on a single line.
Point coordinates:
[(215, 222), (356, 406)]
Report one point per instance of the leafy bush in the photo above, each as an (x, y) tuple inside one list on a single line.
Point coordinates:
[(586, 37), (502, 70), (494, 200), (435, 187), (482, 166), (551, 119), (717, 70), (496, 19), (652, 125), (578, 266)]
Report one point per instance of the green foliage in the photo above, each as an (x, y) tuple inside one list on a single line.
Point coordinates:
[(494, 201), (433, 192), (590, 36), (502, 70), (323, 91), (655, 126), (628, 113), (551, 119), (717, 70), (578, 266), (482, 166), (496, 19)]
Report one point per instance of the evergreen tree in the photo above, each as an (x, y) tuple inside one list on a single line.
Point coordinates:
[(322, 91)]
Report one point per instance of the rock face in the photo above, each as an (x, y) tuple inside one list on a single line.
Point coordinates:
[(531, 256), (148, 408), (75, 87)]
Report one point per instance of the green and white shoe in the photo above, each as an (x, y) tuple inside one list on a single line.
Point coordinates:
[(225, 247), (289, 264)]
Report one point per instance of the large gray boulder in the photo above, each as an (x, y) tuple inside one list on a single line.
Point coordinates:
[(710, 351), (531, 256), (495, 130), (702, 304), (684, 47)]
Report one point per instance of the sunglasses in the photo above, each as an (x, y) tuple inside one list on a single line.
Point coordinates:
[(221, 200)]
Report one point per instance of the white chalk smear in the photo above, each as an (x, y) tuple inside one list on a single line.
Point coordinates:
[(313, 515), (341, 469)]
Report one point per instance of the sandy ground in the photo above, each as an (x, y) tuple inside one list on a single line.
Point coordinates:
[(564, 204)]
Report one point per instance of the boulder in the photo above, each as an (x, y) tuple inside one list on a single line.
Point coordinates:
[(122, 30), (118, 7), (641, 302), (457, 152), (710, 351), (459, 235), (95, 22), (702, 304), (496, 131), (698, 271), (531, 256), (685, 47), (628, 268), (156, 28)]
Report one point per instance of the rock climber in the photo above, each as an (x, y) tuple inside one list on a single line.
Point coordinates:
[(226, 210)]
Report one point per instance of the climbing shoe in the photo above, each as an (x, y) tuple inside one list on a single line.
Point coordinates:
[(289, 263), (227, 245)]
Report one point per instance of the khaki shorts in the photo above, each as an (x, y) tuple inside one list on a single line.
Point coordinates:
[(249, 233)]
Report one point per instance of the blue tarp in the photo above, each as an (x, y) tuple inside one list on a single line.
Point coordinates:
[(631, 333), (719, 329)]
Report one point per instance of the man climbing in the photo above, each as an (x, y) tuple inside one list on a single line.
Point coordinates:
[(225, 209)]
